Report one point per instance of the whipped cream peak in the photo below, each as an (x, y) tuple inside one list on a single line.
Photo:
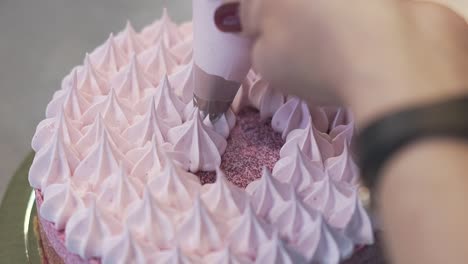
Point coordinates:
[(325, 144), (267, 193), (109, 58), (190, 110), (292, 216), (341, 136), (150, 161), (171, 256), (182, 81), (151, 220), (164, 30), (198, 233), (343, 168), (224, 124), (119, 191), (93, 82), (353, 219), (305, 139), (327, 196), (226, 256), (60, 201), (125, 248), (275, 251), (129, 40), (298, 170), (340, 116), (46, 129), (94, 133), (131, 82), (202, 146), (43, 133), (359, 228), (184, 50), (136, 154), (89, 229), (186, 29), (71, 100), (174, 186), (167, 104), (54, 163), (148, 126), (248, 232), (113, 110), (224, 198), (101, 162), (158, 61), (179, 158), (318, 244), (265, 99), (319, 118), (292, 115), (333, 142)]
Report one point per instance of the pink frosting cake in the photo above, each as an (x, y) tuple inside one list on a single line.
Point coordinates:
[(127, 171)]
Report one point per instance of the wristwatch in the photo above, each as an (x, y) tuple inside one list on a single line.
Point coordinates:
[(384, 137)]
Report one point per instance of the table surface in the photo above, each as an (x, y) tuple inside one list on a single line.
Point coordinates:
[(40, 41)]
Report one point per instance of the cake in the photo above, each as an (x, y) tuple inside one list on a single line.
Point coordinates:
[(127, 171)]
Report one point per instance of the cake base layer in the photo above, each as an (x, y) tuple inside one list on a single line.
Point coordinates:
[(48, 251), (53, 241)]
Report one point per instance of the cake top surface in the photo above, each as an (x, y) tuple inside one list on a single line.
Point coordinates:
[(129, 170)]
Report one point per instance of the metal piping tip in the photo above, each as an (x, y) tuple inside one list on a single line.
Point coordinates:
[(212, 94), (213, 109), (213, 117)]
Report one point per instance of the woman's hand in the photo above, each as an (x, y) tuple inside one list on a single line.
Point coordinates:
[(378, 56), (373, 55)]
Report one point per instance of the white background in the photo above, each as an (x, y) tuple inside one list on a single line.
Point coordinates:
[(40, 41)]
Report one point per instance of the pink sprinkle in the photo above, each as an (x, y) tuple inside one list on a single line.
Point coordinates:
[(252, 144)]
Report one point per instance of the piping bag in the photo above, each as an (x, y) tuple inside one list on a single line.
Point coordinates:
[(221, 59)]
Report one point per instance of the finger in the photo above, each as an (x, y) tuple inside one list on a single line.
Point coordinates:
[(259, 57), (227, 18), (250, 16)]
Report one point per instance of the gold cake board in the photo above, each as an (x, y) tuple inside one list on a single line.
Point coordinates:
[(18, 243)]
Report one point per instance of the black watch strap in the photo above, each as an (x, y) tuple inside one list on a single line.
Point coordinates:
[(385, 136)]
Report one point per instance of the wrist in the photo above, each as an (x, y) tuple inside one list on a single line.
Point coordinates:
[(375, 98), (403, 87), (386, 137), (415, 67)]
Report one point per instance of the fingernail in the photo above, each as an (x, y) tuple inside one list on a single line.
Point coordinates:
[(227, 18)]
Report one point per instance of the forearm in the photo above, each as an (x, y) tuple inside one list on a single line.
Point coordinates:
[(422, 202), (424, 187), (378, 57)]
